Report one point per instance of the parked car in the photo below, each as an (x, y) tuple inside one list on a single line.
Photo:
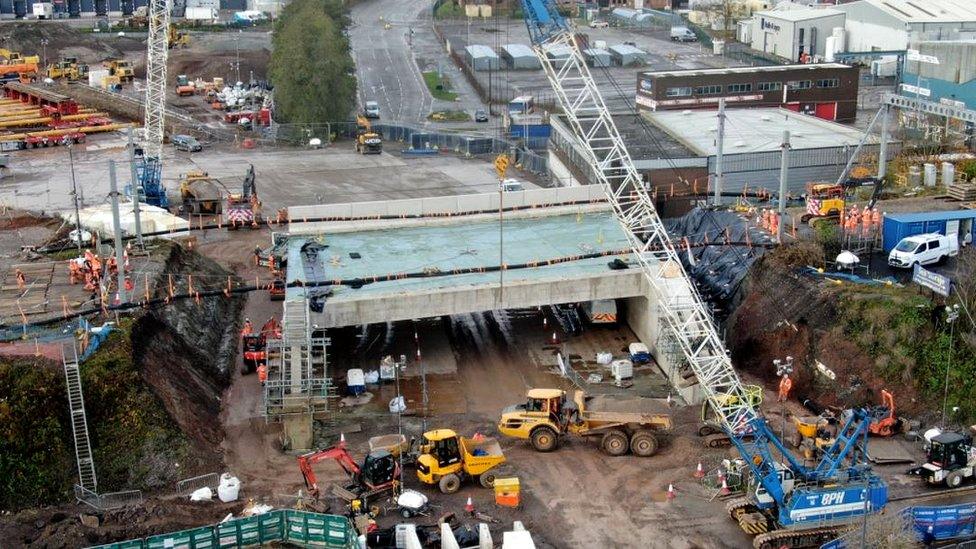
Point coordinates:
[(481, 115), (371, 109), (923, 249), (511, 185), (186, 143), (598, 24)]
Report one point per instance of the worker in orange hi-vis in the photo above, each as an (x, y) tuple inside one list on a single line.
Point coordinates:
[(248, 327), (785, 385), (74, 272), (262, 373), (21, 279)]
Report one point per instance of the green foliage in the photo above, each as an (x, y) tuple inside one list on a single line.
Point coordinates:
[(449, 116), (897, 327), (36, 457), (448, 9), (311, 66), (132, 436), (968, 168), (439, 87)]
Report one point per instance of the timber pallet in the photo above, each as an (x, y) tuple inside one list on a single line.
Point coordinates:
[(962, 192)]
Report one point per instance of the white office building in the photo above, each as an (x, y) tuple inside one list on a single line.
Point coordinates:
[(788, 32), (890, 25)]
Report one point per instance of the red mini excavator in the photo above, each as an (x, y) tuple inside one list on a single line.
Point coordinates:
[(378, 473), (883, 420), (255, 346)]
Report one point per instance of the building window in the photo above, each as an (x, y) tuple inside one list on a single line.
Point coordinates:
[(678, 92), (736, 88), (801, 38), (800, 84), (828, 83), (770, 86), (708, 90)]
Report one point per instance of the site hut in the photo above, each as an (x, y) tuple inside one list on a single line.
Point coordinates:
[(789, 33), (626, 17), (952, 80), (558, 55), (482, 58), (598, 57), (626, 55), (890, 25), (958, 223), (825, 90), (752, 151), (520, 57)]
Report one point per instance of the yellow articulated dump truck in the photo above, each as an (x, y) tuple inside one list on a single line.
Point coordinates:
[(446, 459), (622, 424)]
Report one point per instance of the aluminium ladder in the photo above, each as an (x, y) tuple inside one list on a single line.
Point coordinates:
[(79, 421)]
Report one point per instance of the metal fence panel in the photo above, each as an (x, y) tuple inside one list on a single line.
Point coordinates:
[(187, 486)]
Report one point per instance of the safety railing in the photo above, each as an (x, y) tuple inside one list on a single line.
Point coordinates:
[(107, 501), (187, 486)]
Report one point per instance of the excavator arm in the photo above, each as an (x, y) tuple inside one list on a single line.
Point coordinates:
[(338, 453)]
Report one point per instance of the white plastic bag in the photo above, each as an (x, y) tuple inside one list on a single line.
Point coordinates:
[(398, 405), (372, 376), (604, 358), (202, 494)]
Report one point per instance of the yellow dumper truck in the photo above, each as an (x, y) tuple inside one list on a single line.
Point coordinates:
[(446, 459), (622, 424)]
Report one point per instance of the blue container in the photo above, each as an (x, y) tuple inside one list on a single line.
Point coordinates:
[(531, 130), (900, 225)]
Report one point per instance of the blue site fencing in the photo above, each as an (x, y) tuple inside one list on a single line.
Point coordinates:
[(299, 528), (947, 523)]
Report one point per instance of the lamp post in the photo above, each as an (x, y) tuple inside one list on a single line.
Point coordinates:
[(952, 314), (44, 50)]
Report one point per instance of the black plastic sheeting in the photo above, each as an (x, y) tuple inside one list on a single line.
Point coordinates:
[(717, 268)]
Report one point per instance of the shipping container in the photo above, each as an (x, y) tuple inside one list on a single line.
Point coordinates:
[(201, 14), (531, 130), (900, 225)]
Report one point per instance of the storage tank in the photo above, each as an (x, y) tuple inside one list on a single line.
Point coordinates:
[(929, 170), (840, 39), (830, 48), (914, 176), (74, 8), (948, 173), (20, 9)]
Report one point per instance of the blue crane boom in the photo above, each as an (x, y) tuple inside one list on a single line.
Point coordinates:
[(806, 503)]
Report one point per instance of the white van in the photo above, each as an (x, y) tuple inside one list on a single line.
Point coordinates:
[(682, 34), (923, 249)]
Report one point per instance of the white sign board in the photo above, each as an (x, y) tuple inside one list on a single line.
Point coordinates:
[(913, 55), (924, 92)]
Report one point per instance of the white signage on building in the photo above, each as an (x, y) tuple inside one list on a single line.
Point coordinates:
[(925, 92), (647, 102), (914, 55)]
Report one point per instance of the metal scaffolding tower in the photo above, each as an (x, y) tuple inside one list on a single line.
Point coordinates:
[(79, 422)]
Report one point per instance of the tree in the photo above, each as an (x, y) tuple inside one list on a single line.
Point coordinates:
[(721, 11), (311, 66)]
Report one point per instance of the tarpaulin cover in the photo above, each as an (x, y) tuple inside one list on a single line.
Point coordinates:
[(718, 268)]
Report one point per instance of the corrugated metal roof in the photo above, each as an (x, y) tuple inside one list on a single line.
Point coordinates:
[(626, 49), (478, 51), (799, 14), (914, 217), (922, 11), (518, 50), (596, 51)]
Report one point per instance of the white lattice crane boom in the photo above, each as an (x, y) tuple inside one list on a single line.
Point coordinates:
[(679, 304), (156, 57)]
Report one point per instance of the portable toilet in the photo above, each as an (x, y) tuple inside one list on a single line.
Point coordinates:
[(356, 381)]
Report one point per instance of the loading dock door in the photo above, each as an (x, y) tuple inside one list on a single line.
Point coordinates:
[(795, 107), (827, 111)]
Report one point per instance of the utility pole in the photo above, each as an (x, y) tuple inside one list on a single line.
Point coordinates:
[(134, 174), (784, 166), (719, 148), (74, 195), (952, 313), (883, 148), (117, 229)]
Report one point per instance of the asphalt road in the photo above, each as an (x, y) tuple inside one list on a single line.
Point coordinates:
[(385, 66)]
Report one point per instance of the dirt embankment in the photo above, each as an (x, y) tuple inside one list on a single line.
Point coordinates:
[(859, 332), (187, 350), (88, 47), (152, 396)]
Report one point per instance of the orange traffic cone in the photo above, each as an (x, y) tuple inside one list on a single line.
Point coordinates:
[(342, 437), (699, 472), (670, 492), (469, 506), (555, 339), (724, 490)]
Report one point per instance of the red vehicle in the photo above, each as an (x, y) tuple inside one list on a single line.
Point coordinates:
[(379, 472), (255, 346)]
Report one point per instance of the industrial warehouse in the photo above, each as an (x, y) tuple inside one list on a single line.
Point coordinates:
[(367, 274)]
